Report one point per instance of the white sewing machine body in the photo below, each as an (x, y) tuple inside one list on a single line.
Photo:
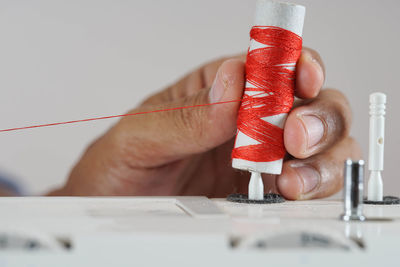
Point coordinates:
[(193, 231)]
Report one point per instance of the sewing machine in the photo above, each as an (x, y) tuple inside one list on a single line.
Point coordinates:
[(195, 231)]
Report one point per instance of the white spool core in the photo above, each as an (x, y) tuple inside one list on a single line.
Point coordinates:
[(287, 16)]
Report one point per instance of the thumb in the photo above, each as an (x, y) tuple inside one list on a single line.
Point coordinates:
[(158, 138)]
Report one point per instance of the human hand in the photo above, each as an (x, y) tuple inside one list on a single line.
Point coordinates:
[(187, 151)]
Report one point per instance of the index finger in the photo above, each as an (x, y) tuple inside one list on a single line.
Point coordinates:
[(309, 78), (310, 74)]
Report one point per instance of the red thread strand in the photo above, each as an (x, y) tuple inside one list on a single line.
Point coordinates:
[(269, 70), (116, 116)]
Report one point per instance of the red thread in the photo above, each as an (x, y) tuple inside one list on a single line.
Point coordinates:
[(270, 70), (116, 116)]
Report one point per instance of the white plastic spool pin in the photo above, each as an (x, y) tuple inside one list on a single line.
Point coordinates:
[(376, 145)]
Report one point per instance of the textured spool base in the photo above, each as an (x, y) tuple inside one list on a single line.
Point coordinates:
[(387, 200), (243, 198)]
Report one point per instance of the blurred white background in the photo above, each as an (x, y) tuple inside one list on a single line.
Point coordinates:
[(65, 60)]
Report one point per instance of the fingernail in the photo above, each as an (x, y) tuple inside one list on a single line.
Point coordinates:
[(217, 89), (308, 57), (310, 178), (314, 128)]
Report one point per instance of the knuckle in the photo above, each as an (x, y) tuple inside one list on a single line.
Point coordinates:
[(191, 122), (121, 145), (336, 96), (336, 113), (128, 146)]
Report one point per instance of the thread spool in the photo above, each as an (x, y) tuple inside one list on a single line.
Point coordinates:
[(288, 17)]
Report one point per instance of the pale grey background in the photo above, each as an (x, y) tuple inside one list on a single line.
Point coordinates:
[(63, 60)]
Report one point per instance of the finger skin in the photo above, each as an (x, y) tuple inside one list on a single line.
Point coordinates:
[(309, 78), (162, 153), (329, 172), (192, 83), (310, 74), (332, 109), (163, 137)]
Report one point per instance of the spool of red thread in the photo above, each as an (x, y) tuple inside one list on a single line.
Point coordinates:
[(275, 47)]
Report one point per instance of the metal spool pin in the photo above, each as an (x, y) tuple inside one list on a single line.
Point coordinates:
[(353, 190)]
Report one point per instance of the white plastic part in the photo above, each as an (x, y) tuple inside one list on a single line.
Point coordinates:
[(199, 207), (375, 186), (284, 15), (376, 145), (256, 186), (290, 17)]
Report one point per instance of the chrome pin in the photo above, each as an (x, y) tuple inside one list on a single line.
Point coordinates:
[(353, 190)]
